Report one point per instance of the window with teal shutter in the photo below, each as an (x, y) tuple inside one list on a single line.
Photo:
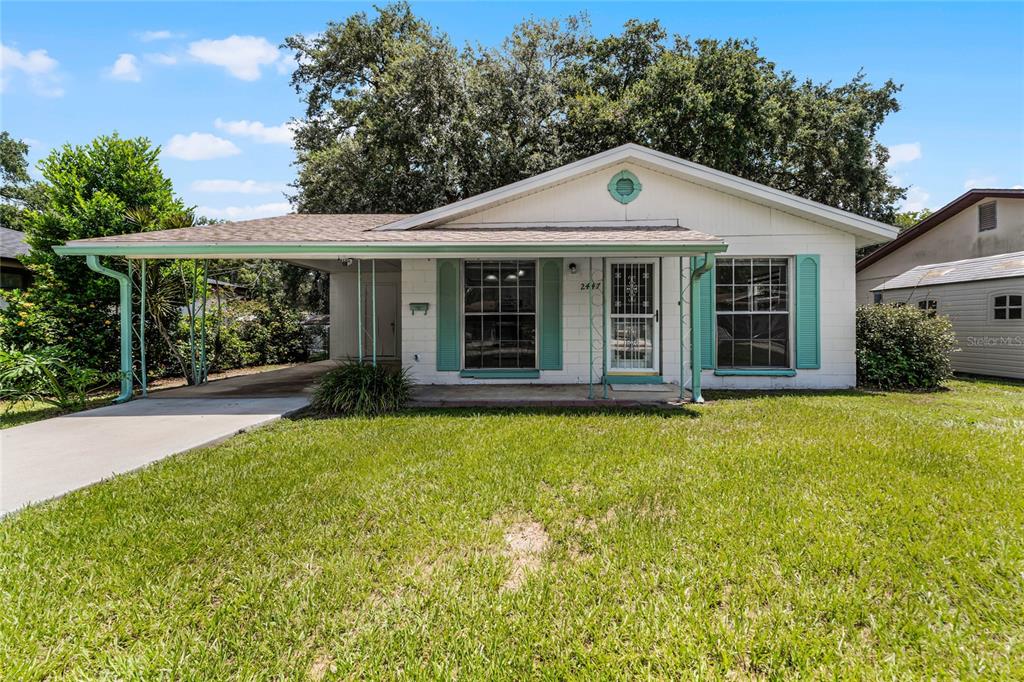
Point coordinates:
[(448, 315), (705, 296), (550, 313), (808, 316)]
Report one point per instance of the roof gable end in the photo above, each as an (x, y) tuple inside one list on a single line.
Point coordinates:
[(867, 230)]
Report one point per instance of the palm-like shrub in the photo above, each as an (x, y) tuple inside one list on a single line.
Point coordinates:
[(362, 389), (903, 347), (47, 376)]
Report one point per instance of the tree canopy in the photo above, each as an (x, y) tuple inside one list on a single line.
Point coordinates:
[(398, 119), (19, 193)]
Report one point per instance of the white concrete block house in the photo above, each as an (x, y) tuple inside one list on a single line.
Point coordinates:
[(690, 274)]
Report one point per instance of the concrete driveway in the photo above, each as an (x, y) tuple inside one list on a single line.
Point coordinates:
[(52, 457)]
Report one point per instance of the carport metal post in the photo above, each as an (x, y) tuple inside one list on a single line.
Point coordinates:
[(682, 345), (605, 347), (124, 289), (142, 328), (590, 327), (373, 306), (202, 338), (359, 306)]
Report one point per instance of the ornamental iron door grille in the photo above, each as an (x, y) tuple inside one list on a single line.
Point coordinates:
[(633, 316)]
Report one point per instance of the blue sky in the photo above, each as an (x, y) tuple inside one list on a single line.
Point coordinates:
[(206, 80)]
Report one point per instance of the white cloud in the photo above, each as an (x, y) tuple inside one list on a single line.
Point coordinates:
[(917, 199), (238, 186), (242, 56), (245, 212), (37, 66), (199, 147), (162, 58), (1017, 187), (282, 134), (126, 68), (981, 181), (904, 153), (150, 36)]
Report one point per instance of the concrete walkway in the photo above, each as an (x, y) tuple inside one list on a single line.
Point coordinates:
[(52, 457)]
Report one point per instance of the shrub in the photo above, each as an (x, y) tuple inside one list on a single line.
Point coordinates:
[(44, 376), (903, 347), (362, 389)]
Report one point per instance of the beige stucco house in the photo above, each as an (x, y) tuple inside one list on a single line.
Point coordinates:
[(978, 223), (630, 266)]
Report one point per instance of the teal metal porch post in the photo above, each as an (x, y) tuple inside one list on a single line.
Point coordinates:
[(605, 348), (359, 307), (125, 306), (682, 332), (142, 330), (695, 323), (590, 326), (373, 306)]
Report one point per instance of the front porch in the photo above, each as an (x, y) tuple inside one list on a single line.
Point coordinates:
[(547, 395)]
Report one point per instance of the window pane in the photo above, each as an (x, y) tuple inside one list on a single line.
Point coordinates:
[(491, 273), (759, 353), (1015, 313), (723, 297), (509, 336), (474, 297), (509, 299), (1016, 300), (527, 299), (779, 327), (473, 276), (725, 352), (473, 346), (1000, 313), (741, 353), (741, 271), (778, 356), (527, 341), (1000, 300), (761, 271), (741, 297), (723, 271), (490, 300), (527, 273), (490, 349), (759, 326)]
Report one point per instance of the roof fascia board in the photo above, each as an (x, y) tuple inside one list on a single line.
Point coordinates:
[(410, 250), (687, 170)]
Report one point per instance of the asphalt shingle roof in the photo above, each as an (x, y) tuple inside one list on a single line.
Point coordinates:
[(12, 243), (361, 228)]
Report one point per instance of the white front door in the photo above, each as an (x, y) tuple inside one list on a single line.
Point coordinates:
[(387, 319), (633, 316)]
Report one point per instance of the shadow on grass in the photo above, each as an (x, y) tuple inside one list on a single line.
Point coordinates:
[(665, 412)]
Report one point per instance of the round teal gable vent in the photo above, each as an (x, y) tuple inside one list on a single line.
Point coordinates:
[(624, 187)]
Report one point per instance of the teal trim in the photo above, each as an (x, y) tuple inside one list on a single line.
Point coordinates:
[(808, 314), (635, 379), (125, 308), (373, 308), (705, 288), (143, 377), (449, 327), (549, 313), (755, 372), (624, 187), (682, 331), (143, 250), (698, 268), (500, 374)]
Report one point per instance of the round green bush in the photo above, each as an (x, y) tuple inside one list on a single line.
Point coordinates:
[(362, 389), (903, 347)]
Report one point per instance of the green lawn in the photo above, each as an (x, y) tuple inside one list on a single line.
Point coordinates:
[(844, 535)]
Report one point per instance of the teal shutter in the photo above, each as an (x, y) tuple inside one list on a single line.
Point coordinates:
[(808, 317), (706, 298), (549, 313), (448, 315)]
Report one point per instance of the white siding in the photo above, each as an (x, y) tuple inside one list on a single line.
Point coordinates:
[(987, 346)]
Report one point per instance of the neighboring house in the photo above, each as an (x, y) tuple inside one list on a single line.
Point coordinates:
[(526, 282), (13, 273), (984, 300), (980, 222)]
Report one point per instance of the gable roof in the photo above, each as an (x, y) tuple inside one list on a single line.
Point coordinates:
[(870, 231), (12, 243), (1003, 266), (965, 200)]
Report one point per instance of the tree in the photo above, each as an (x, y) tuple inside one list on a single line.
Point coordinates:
[(19, 193), (89, 189), (399, 120)]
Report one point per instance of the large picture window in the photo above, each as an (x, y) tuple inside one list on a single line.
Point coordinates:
[(500, 307), (752, 310)]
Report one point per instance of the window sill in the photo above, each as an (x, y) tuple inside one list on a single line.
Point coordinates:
[(500, 374), (755, 372)]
